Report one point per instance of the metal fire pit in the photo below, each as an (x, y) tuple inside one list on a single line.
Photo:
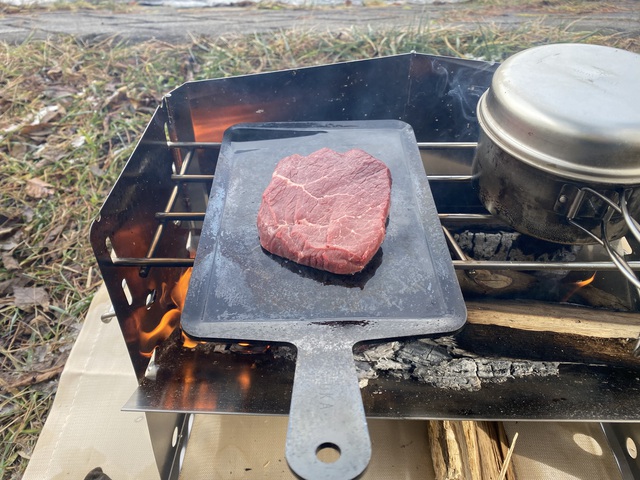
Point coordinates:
[(145, 238)]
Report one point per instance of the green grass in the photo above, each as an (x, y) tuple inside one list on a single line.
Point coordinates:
[(103, 95)]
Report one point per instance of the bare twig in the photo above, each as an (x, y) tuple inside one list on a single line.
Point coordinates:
[(507, 458), (31, 378)]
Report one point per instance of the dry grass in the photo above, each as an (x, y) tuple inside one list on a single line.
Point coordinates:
[(67, 6), (70, 115), (552, 6)]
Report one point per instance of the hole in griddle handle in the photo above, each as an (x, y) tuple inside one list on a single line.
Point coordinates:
[(328, 452)]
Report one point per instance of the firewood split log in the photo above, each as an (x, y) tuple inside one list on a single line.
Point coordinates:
[(466, 450)]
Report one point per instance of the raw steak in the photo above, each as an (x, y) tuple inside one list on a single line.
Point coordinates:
[(327, 210)]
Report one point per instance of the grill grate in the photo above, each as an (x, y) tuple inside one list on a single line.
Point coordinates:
[(150, 223), (462, 262)]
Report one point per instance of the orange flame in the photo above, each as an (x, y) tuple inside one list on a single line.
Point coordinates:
[(577, 286), (179, 292), (188, 342), (161, 332), (586, 282), (209, 125), (178, 295), (170, 320), (175, 296)]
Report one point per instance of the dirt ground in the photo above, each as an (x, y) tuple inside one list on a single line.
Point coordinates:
[(138, 23)]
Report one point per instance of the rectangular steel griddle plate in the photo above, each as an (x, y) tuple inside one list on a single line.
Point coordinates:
[(239, 291)]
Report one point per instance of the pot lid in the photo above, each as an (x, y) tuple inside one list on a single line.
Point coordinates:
[(570, 109)]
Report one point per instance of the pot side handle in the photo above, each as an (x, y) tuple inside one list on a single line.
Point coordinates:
[(603, 240)]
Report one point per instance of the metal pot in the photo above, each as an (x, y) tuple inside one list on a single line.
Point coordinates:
[(558, 156)]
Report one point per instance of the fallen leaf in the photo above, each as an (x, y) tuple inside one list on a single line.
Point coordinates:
[(27, 214), (30, 296), (15, 127), (96, 170), (37, 188), (57, 92), (37, 130), (9, 262), (24, 455), (18, 150), (48, 154), (5, 286), (115, 99), (48, 114), (6, 231), (78, 141), (54, 233), (44, 121), (12, 242), (54, 73)]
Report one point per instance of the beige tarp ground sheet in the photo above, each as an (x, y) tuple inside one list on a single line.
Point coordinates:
[(251, 447), (86, 429), (567, 451)]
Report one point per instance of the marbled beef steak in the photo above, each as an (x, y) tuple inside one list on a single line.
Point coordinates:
[(327, 210)]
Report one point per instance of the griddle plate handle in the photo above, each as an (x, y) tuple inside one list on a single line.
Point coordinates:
[(327, 412)]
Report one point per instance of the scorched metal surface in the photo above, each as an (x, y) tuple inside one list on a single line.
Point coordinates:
[(238, 291)]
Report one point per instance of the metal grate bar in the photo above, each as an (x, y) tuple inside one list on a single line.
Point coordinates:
[(421, 145), (538, 266), (468, 218), (152, 262), (462, 263), (432, 178), (144, 270), (457, 264), (191, 178), (169, 216)]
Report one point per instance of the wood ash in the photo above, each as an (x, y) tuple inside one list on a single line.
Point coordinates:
[(513, 246), (442, 364)]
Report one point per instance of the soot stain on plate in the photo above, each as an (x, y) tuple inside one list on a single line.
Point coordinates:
[(357, 280), (343, 323)]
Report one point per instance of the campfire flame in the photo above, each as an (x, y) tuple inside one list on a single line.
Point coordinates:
[(577, 286), (188, 342), (175, 296), (208, 127)]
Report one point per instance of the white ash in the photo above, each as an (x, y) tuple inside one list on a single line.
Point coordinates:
[(380, 358), (423, 353), (441, 363), (495, 369), (365, 373), (365, 370), (381, 351), (455, 374)]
